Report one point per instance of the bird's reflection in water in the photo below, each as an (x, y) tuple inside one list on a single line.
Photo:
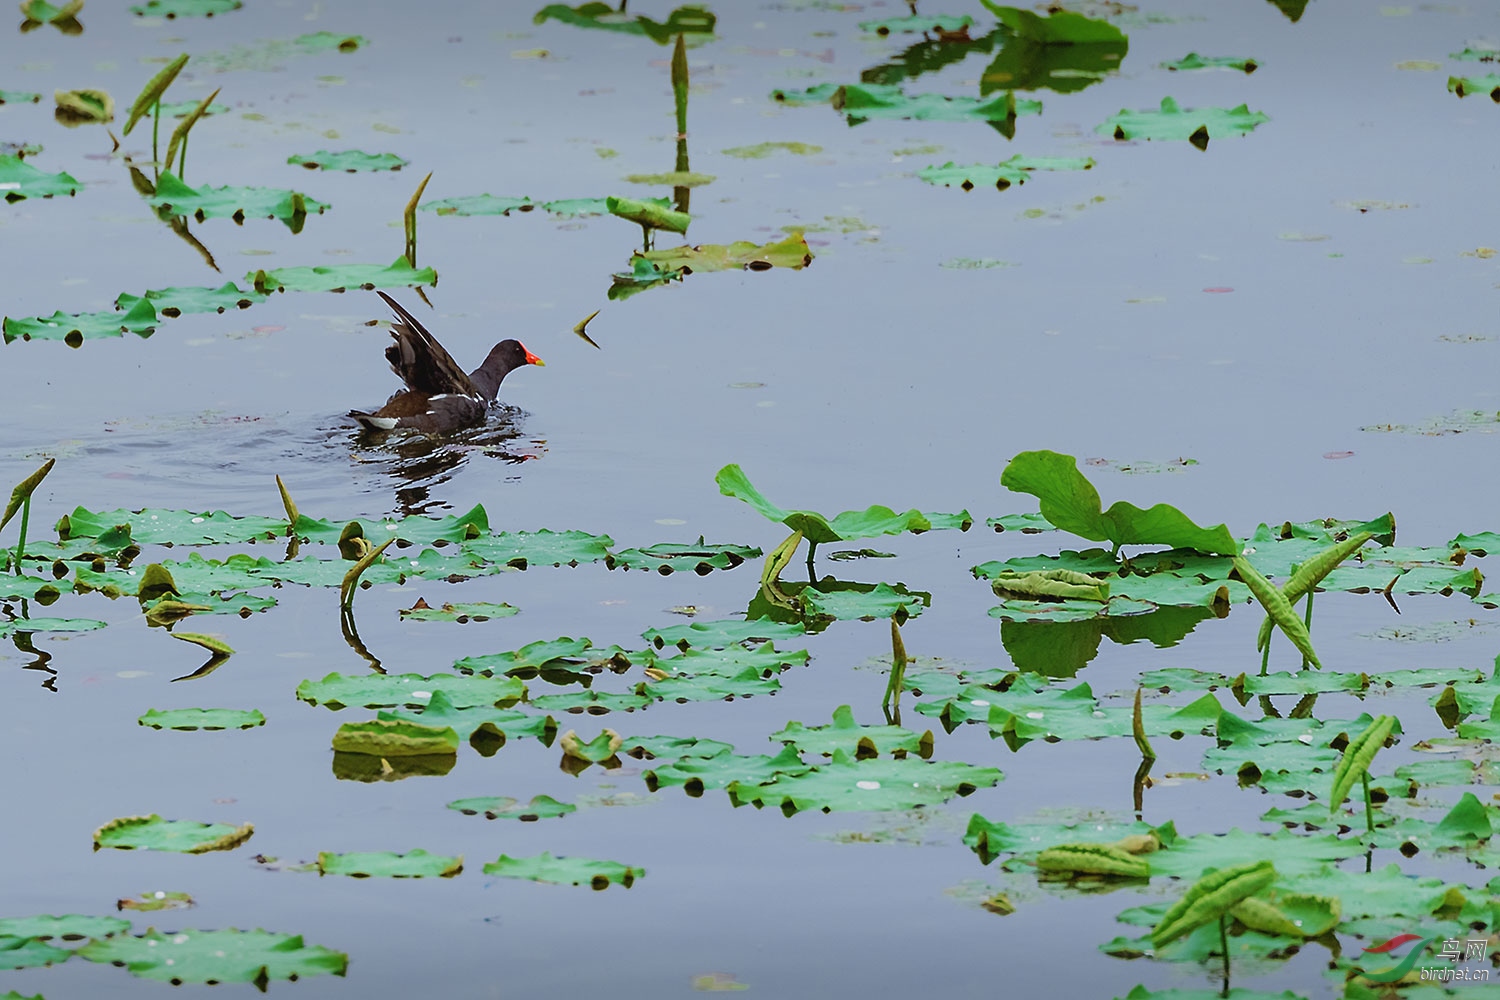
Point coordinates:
[(420, 462)]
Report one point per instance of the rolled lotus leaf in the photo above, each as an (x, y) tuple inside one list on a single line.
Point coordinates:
[(646, 213), (1358, 756), (1050, 584), (1212, 896), (1093, 859), (1278, 608)]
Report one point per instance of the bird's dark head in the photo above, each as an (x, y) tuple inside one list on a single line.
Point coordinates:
[(504, 357)]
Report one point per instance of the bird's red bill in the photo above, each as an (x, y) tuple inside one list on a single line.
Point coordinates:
[(532, 359)]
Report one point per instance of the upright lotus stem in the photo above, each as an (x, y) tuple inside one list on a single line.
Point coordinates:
[(21, 544), (410, 218), (1224, 947), (350, 583), (898, 668), (182, 163), (812, 550), (155, 128), (1369, 812), (680, 84), (20, 500), (1138, 730), (1307, 620)]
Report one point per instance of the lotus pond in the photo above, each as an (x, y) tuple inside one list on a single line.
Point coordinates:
[(904, 584)]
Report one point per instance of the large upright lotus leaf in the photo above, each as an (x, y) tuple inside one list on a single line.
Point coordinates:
[(74, 328), (351, 161), (1016, 170), (153, 833), (816, 528), (395, 738), (862, 102), (20, 180), (158, 526), (695, 774), (202, 718), (477, 204), (338, 278), (385, 864), (1170, 122), (710, 687), (720, 634), (847, 735), (1070, 501), (519, 549), (1193, 61), (418, 530), (670, 557), (742, 255), (1064, 52), (505, 723), (1463, 86), (878, 784), (500, 807), (1293, 854), (565, 871), (690, 20), (72, 927), (388, 690), (186, 8), (173, 302), (235, 203), (227, 956), (29, 953)]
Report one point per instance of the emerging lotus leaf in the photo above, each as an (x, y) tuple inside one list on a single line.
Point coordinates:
[(395, 738), (83, 107)]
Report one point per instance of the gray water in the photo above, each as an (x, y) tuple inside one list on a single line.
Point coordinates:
[(875, 375)]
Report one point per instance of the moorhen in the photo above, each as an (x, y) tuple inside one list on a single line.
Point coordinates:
[(438, 396)]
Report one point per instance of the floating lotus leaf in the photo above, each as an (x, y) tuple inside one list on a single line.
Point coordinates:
[(918, 24), (565, 871), (500, 807), (395, 738), (185, 8), (730, 661), (74, 328), (505, 723), (819, 94), (1060, 27), (48, 625), (157, 526), (696, 774), (29, 953), (761, 150), (710, 687), (1193, 61), (668, 557), (689, 20), (202, 718), (990, 838), (227, 956), (570, 208), (720, 634), (862, 102), (671, 178), (535, 657), (153, 833), (387, 690), (72, 927), (1169, 122), (1463, 86), (592, 702), (20, 180), (519, 549), (235, 203), (878, 601), (1070, 501), (351, 161), (19, 97), (643, 274), (1294, 855), (173, 302), (791, 252), (1016, 170), (847, 735), (1065, 52), (338, 278), (846, 784), (385, 864), (672, 747), (43, 12), (477, 204), (479, 612)]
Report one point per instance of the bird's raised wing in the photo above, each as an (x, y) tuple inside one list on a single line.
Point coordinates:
[(419, 360)]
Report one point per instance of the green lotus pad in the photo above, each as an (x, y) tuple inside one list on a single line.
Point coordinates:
[(173, 302), (849, 736), (1463, 86), (338, 278), (395, 738), (710, 687), (495, 722), (565, 871), (918, 24), (385, 864), (389, 690), (1002, 175), (730, 661), (862, 102), (544, 654), (820, 94), (72, 927), (672, 747), (643, 274), (816, 528), (74, 328), (520, 549), (19, 180), (1169, 122), (501, 807), (202, 718), (695, 774), (861, 602), (669, 557), (1193, 61), (477, 204), (592, 702), (847, 784), (791, 252), (1027, 837), (19, 97), (721, 634), (29, 953), (481, 611), (690, 20), (49, 625), (159, 526), (569, 208), (1070, 501), (185, 8), (181, 109), (235, 203), (350, 161), (761, 150), (153, 833), (472, 524), (207, 957)]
